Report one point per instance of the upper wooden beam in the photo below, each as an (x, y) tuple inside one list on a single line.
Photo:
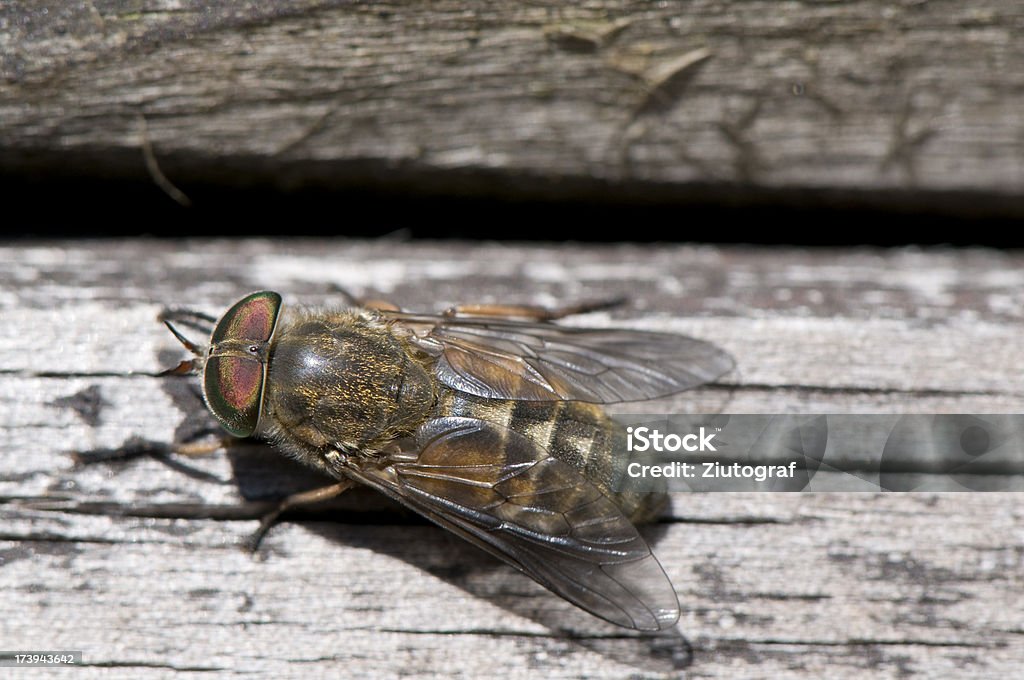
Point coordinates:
[(915, 104)]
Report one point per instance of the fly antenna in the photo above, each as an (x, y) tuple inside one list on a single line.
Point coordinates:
[(189, 345)]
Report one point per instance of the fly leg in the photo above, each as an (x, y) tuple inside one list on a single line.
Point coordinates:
[(188, 317), (137, 447), (381, 306), (296, 500), (531, 312), (367, 303), (203, 448), (526, 312)]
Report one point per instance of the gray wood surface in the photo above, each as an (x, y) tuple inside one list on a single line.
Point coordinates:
[(915, 104), (135, 560)]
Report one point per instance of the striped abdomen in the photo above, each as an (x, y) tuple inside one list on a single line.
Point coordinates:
[(576, 433)]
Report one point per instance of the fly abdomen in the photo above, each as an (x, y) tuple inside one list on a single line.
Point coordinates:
[(577, 433)]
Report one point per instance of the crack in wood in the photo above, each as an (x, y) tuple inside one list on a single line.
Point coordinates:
[(862, 642), (150, 664)]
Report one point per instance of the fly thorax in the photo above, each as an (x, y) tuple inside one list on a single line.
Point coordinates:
[(337, 383)]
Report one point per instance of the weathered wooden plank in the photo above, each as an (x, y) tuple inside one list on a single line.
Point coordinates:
[(858, 99), (136, 560), (836, 586)]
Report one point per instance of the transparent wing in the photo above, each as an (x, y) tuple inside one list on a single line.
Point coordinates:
[(500, 358), (501, 492)]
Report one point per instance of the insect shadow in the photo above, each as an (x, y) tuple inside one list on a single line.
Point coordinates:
[(403, 535), (460, 564)]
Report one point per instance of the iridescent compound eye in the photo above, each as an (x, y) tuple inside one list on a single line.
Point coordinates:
[(236, 369)]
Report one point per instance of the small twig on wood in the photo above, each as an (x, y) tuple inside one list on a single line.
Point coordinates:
[(153, 168)]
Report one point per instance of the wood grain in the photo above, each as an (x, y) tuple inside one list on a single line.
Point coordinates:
[(912, 104), (135, 559)]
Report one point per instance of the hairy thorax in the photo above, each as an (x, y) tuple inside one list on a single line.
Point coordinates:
[(342, 382)]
